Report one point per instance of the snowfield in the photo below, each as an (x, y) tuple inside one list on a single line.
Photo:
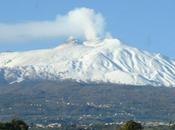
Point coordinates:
[(106, 60)]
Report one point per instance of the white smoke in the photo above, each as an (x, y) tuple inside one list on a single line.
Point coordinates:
[(80, 22)]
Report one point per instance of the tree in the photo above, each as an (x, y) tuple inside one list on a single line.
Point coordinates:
[(131, 125), (14, 125), (19, 125)]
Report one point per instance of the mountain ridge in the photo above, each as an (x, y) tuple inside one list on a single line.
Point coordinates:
[(106, 60)]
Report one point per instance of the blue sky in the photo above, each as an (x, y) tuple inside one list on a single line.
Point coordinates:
[(145, 24)]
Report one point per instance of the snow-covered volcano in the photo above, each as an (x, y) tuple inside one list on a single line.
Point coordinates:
[(107, 60)]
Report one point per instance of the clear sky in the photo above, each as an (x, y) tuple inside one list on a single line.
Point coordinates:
[(145, 24)]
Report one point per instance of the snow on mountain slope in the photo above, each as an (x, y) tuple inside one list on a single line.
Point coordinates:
[(100, 61)]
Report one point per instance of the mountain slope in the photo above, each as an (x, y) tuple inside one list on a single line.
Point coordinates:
[(98, 61)]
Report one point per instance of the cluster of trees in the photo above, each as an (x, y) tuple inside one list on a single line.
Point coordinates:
[(13, 125), (131, 125)]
